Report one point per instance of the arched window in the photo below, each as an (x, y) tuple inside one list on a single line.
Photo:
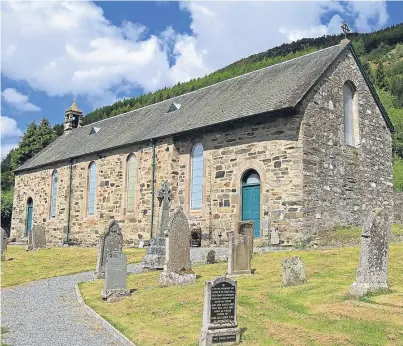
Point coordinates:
[(350, 115), (92, 187), (53, 196), (197, 177), (130, 182)]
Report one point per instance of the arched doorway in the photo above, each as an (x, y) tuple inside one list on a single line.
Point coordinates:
[(30, 210), (251, 199)]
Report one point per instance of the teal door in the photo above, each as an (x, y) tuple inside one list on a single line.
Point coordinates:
[(251, 201), (30, 209)]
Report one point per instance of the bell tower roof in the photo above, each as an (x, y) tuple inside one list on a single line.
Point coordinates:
[(74, 107)]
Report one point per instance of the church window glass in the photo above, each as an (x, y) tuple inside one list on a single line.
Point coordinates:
[(197, 177), (130, 182), (92, 187), (53, 197)]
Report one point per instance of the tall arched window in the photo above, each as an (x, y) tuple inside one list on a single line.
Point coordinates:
[(130, 182), (92, 187), (53, 196), (196, 194), (350, 115)]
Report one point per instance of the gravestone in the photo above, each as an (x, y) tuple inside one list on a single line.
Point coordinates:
[(3, 241), (372, 272), (219, 314), (293, 271), (177, 268), (210, 258), (36, 238), (274, 236), (112, 240), (246, 227), (155, 256), (115, 276), (240, 252)]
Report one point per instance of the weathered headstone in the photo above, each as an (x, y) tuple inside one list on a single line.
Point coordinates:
[(274, 236), (112, 240), (3, 241), (177, 268), (293, 270), (210, 258), (115, 276), (36, 238), (155, 256), (240, 252), (219, 314), (372, 272)]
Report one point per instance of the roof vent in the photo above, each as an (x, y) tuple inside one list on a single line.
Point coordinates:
[(174, 107), (94, 130)]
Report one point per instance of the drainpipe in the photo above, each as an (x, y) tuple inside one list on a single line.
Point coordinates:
[(152, 188), (69, 203)]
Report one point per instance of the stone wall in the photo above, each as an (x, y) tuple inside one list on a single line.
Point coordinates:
[(398, 208), (268, 145), (343, 183)]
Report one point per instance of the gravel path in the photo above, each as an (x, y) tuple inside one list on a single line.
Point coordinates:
[(47, 312)]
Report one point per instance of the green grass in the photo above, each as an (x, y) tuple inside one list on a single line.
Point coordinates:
[(398, 173), (22, 266), (3, 331), (318, 313), (397, 229)]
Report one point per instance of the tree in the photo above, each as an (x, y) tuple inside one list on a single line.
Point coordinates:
[(35, 138), (380, 77)]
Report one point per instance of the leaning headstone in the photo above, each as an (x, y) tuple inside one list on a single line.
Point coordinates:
[(177, 268), (240, 252), (115, 276), (274, 236), (37, 238), (293, 270), (3, 241), (219, 314), (155, 256), (112, 240), (210, 258), (372, 272)]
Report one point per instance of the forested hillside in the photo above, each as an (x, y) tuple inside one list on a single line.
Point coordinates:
[(381, 54)]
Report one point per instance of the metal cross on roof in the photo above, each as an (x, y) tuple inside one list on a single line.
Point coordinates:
[(345, 29)]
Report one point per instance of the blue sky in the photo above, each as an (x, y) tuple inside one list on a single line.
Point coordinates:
[(99, 52)]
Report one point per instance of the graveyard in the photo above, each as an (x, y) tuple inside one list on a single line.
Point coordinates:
[(319, 312)]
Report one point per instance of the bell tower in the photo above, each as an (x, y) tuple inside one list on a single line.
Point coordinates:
[(73, 117)]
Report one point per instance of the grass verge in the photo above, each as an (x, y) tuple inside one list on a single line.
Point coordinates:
[(318, 313), (22, 266)]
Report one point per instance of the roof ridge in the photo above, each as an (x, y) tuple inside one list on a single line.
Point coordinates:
[(212, 85)]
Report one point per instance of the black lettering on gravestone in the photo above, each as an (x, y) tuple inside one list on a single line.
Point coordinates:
[(219, 315), (112, 240), (115, 276)]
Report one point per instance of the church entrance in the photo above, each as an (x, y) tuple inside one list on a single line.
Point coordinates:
[(30, 209), (251, 199)]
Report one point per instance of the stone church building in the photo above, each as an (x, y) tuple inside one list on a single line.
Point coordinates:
[(301, 146)]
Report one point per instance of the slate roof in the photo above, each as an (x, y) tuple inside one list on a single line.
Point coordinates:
[(277, 87)]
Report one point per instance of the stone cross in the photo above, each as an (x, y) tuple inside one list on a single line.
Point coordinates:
[(372, 272), (165, 197), (177, 267), (293, 271), (112, 240), (219, 314), (240, 252), (115, 276)]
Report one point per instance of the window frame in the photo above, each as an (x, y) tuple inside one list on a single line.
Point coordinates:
[(53, 194), (127, 184), (351, 118), (192, 171), (89, 176)]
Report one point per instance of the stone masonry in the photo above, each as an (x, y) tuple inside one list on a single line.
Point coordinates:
[(310, 180)]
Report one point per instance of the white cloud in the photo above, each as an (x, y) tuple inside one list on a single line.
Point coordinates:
[(78, 51), (8, 127), (9, 134), (18, 100)]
